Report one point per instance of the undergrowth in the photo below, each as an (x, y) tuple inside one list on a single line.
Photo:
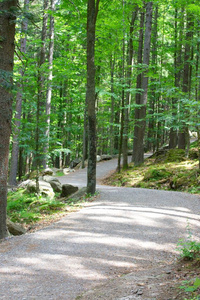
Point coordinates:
[(172, 171), (189, 250), (28, 208)]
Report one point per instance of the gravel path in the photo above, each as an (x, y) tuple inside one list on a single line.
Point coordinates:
[(124, 230)]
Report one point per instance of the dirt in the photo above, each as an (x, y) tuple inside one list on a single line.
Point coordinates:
[(162, 283)]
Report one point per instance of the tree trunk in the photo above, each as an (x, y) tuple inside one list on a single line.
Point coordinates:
[(92, 11), (138, 85), (7, 33), (49, 84), (40, 97), (128, 94), (153, 94), (140, 121), (112, 67), (17, 122), (183, 132)]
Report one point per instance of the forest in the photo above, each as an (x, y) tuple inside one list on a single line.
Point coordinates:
[(97, 77)]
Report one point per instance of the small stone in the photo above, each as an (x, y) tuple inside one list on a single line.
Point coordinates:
[(140, 292)]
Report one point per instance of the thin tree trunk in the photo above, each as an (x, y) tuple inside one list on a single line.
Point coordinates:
[(17, 122), (49, 83), (40, 97), (112, 66), (138, 84), (7, 33), (128, 94), (183, 132), (153, 94), (92, 11)]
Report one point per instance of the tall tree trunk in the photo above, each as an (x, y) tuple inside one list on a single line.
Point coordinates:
[(128, 94), (17, 122), (7, 33), (138, 84), (112, 67), (183, 132), (49, 83), (40, 98), (92, 11), (153, 94), (140, 122)]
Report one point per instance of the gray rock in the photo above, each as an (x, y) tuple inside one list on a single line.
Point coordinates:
[(98, 158), (106, 157), (74, 162), (77, 195), (54, 182), (47, 171), (15, 228), (68, 189), (44, 188)]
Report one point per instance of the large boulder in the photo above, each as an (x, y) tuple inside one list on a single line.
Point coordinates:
[(80, 193), (106, 157), (68, 189), (15, 228), (74, 163), (54, 182), (44, 188)]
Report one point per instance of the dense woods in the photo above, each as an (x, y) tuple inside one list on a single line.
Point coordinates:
[(99, 77)]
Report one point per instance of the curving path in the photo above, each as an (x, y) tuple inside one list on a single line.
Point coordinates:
[(124, 230)]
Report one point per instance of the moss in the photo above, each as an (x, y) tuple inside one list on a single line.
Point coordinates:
[(175, 155), (156, 174)]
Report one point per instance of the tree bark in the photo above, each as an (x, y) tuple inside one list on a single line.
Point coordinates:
[(128, 94), (7, 33), (17, 122), (138, 84), (49, 84), (140, 121), (183, 132), (92, 11), (40, 97)]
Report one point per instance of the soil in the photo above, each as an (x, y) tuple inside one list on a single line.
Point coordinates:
[(162, 283)]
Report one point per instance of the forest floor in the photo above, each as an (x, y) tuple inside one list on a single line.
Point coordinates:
[(139, 230)]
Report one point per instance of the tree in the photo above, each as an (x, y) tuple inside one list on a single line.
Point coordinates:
[(7, 32), (19, 97), (49, 87), (92, 11), (142, 83)]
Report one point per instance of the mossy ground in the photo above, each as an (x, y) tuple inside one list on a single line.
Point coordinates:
[(167, 171)]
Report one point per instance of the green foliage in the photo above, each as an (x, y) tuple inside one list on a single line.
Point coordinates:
[(27, 208), (189, 249), (189, 286), (156, 174)]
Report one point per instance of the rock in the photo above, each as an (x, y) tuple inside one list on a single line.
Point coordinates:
[(106, 157), (15, 228), (44, 188), (77, 195), (79, 166), (47, 171), (98, 158), (130, 152), (54, 182), (32, 175), (24, 184), (68, 189), (74, 162)]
